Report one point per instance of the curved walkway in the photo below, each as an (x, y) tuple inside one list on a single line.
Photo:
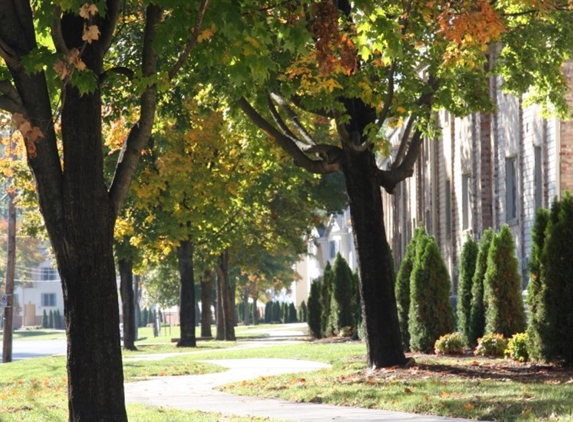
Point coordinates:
[(197, 392)]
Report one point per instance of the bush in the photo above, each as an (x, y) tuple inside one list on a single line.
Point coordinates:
[(477, 313), (554, 300), (402, 288), (517, 347), (315, 309), (504, 312), (326, 287), (537, 317), (343, 296), (492, 345), (449, 344), (431, 314), (468, 259), (302, 312)]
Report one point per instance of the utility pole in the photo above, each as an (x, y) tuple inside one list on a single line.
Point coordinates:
[(10, 270)]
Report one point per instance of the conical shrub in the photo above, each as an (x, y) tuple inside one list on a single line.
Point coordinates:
[(431, 314), (504, 313), (315, 309), (477, 313), (556, 290), (402, 287), (326, 287), (468, 259), (342, 300)]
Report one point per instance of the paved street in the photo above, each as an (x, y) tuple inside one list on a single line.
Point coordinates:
[(26, 349)]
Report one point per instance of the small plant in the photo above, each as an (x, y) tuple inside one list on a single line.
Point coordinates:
[(492, 345), (517, 347), (449, 344)]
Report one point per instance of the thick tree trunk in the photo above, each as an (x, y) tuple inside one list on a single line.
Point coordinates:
[(206, 290), (226, 327), (128, 303), (187, 295), (83, 247), (383, 341)]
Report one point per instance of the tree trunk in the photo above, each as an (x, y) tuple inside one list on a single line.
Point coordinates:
[(255, 311), (128, 303), (227, 315), (246, 307), (206, 289), (9, 286), (383, 341), (187, 295), (83, 245), (220, 333)]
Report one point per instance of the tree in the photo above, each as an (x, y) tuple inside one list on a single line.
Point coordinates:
[(403, 285), (55, 88), (467, 269), (551, 324), (45, 322), (504, 313), (315, 309), (368, 67), (477, 312), (431, 314)]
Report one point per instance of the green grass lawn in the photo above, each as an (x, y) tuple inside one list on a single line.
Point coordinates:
[(473, 388)]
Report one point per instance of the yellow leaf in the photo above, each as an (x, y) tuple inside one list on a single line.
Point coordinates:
[(205, 34), (469, 406), (87, 10), (91, 33)]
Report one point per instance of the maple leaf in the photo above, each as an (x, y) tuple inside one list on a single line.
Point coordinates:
[(61, 68), (91, 33), (205, 34), (87, 10)]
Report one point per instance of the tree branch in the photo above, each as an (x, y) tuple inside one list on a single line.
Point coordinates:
[(287, 144), (293, 118), (192, 42), (120, 70), (11, 100), (56, 30), (141, 131)]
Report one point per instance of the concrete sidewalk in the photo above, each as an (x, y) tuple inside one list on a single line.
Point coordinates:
[(196, 392)]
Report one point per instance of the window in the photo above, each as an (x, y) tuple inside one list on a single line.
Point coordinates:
[(511, 188), (538, 178), (448, 208), (49, 274), (333, 248), (465, 201), (48, 299)]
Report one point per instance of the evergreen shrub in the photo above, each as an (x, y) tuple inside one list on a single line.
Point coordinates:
[(477, 312), (468, 260), (402, 286), (504, 313), (431, 314), (343, 301), (315, 309), (553, 303)]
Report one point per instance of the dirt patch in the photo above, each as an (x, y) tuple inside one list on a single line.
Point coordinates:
[(476, 367)]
